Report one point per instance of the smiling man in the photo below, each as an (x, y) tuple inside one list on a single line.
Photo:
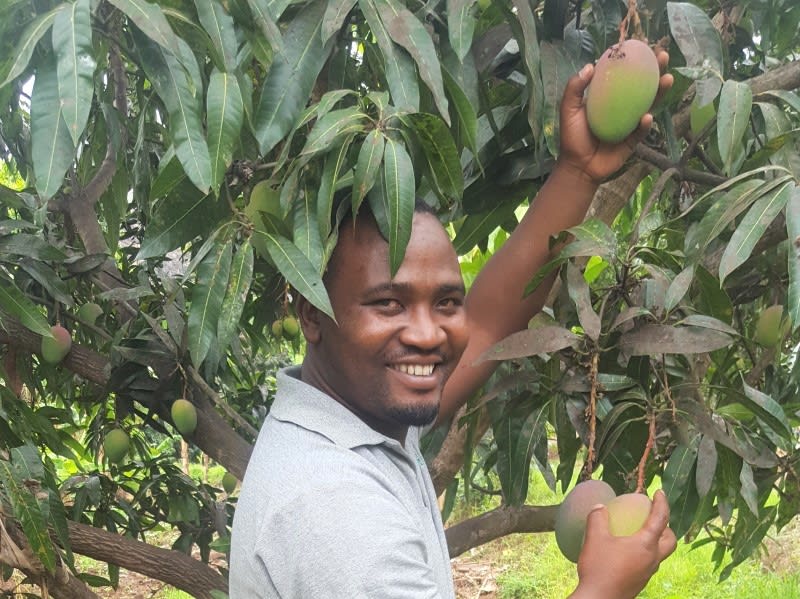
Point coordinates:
[(337, 501)]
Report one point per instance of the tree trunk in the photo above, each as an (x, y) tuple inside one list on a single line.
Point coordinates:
[(185, 457)]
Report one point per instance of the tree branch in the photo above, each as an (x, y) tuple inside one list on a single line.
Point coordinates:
[(173, 567), (498, 523)]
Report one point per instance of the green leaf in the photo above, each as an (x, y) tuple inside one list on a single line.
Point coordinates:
[(369, 161), (30, 38), (149, 17), (220, 27), (235, 295), (20, 479), (401, 78), (768, 410), (596, 231), (464, 112), (179, 218), (678, 288), (530, 56), (752, 228), (72, 41), (329, 183), (225, 115), (406, 30), (733, 115), (793, 231), (267, 22), (695, 35), (331, 128), (291, 76), (299, 272), (708, 322), (557, 65), (15, 303), (580, 295), (460, 25), (306, 228), (706, 465), (25, 244), (52, 147), (721, 213), (398, 172), (477, 227), (207, 297), (335, 14), (442, 159), (679, 487), (181, 96), (47, 278)]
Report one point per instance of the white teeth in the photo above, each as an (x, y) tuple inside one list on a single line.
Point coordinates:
[(415, 369)]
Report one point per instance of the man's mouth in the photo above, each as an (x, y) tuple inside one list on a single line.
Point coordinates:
[(415, 369)]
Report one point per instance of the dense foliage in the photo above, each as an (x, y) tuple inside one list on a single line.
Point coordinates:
[(184, 166)]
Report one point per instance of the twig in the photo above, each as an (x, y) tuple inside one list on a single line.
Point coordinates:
[(592, 415), (651, 439), (220, 403)]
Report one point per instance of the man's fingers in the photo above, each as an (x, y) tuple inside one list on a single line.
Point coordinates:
[(596, 523), (573, 92), (663, 60), (667, 543), (658, 519)]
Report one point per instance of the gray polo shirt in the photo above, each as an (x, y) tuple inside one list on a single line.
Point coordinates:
[(330, 508)]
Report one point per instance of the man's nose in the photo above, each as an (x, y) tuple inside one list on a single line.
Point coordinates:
[(423, 330)]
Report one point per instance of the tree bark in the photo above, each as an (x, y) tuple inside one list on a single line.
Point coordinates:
[(499, 523), (172, 567)]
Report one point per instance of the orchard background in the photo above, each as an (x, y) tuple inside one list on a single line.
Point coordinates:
[(181, 165)]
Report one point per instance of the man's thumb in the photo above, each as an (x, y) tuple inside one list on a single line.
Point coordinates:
[(596, 522), (577, 84)]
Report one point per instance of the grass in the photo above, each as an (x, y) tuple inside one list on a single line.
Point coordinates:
[(531, 567)]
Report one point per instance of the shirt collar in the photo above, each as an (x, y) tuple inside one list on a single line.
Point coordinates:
[(308, 407)]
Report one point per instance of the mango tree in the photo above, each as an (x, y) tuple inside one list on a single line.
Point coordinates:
[(174, 175)]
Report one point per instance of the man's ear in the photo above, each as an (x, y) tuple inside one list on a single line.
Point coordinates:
[(309, 317)]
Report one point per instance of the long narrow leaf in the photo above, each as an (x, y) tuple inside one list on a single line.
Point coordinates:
[(369, 161), (335, 14), (407, 30), (241, 277), (306, 229), (530, 55), (752, 228), (735, 103), (444, 167), (207, 296), (401, 77), (460, 25), (299, 272), (331, 172), (72, 41), (180, 95), (398, 172), (225, 115), (30, 38), (15, 303), (219, 26), (149, 17), (52, 147), (291, 76)]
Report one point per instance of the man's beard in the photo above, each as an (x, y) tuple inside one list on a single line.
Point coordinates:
[(415, 415)]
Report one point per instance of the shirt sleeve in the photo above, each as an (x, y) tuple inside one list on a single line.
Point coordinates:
[(354, 541)]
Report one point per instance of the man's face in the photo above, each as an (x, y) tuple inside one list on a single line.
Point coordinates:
[(398, 339)]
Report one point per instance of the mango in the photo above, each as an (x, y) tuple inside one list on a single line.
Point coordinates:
[(184, 416), (89, 312), (771, 326), (116, 445), (229, 482), (570, 525), (291, 328), (55, 348), (277, 328), (263, 198), (623, 88), (627, 513)]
